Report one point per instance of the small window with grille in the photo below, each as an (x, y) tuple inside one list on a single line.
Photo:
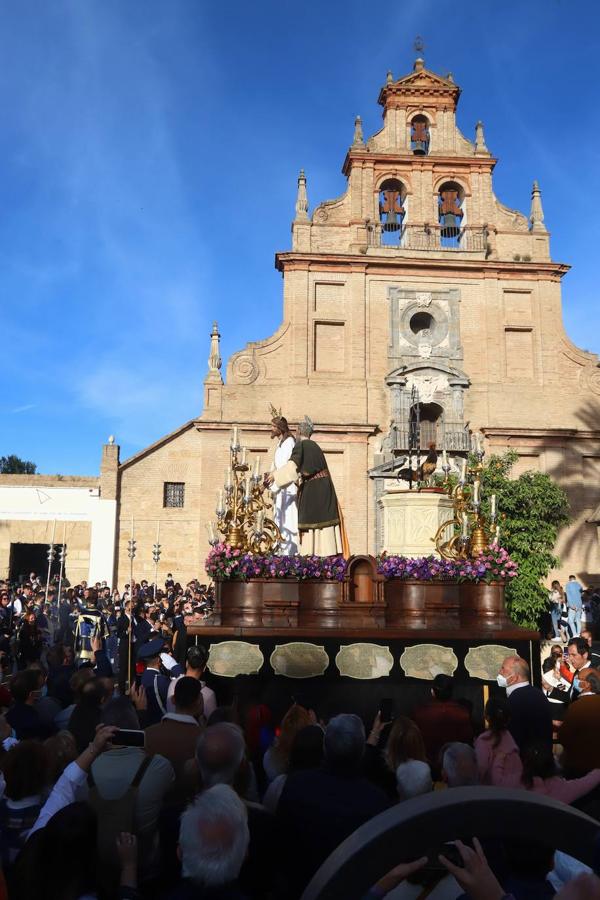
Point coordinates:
[(174, 492)]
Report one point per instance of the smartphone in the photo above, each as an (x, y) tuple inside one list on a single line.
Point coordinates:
[(386, 709), (128, 737), (452, 854)]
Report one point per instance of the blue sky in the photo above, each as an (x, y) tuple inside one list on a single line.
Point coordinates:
[(148, 159)]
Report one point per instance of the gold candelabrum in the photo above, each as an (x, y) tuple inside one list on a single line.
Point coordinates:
[(471, 530), (244, 505)]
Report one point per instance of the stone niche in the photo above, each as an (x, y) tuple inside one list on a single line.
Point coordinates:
[(411, 520)]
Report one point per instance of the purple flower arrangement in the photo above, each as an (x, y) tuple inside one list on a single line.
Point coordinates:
[(493, 564), (225, 563)]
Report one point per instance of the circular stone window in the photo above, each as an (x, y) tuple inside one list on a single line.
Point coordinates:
[(421, 321)]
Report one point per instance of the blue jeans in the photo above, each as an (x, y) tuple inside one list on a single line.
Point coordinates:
[(574, 620), (555, 615)]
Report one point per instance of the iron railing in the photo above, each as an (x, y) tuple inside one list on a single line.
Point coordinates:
[(470, 239)]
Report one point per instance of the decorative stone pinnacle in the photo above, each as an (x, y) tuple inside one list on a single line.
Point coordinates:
[(214, 358), (302, 198), (389, 77), (480, 146), (536, 216), (358, 133), (419, 64)]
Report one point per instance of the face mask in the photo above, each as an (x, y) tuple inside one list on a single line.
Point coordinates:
[(501, 679), (576, 684)]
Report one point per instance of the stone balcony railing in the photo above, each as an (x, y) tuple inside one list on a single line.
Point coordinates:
[(470, 239)]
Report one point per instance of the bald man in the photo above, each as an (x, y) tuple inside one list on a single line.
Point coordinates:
[(530, 712)]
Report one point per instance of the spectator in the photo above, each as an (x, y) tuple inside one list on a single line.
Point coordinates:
[(221, 759), (176, 735), (117, 771), (22, 716), (580, 732), (306, 753), (573, 592), (76, 683), (459, 765), (498, 760), (413, 778), (196, 660), (213, 843), (155, 683), (276, 759), (25, 769), (530, 712), (594, 646), (579, 658), (540, 775), (87, 713), (442, 720), (29, 641), (319, 808), (555, 600)]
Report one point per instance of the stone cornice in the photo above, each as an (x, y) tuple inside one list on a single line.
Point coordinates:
[(410, 161), (320, 428), (383, 265)]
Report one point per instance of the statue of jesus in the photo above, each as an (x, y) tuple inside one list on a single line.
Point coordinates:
[(285, 508)]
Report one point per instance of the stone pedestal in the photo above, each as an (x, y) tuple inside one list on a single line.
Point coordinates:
[(411, 519)]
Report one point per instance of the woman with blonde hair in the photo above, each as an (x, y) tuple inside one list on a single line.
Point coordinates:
[(276, 759)]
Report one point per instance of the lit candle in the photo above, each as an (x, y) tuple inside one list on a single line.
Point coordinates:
[(493, 506), (444, 459), (476, 492), (227, 478), (234, 437), (260, 520), (221, 504), (212, 537), (465, 526), (463, 471), (244, 451), (257, 467), (247, 489)]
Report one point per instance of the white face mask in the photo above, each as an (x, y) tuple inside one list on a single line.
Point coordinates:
[(501, 679)]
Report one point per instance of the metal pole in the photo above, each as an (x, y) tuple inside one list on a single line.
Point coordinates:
[(61, 556), (50, 560), (131, 553)]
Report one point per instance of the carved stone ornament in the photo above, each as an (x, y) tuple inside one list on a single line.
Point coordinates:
[(231, 658), (427, 385), (484, 662), (321, 215), (590, 379), (425, 661), (245, 369), (364, 661), (423, 299), (299, 660)]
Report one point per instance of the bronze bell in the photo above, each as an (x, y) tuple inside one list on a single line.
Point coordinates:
[(419, 148)]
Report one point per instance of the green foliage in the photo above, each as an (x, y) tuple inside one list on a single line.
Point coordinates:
[(532, 509), (13, 465)]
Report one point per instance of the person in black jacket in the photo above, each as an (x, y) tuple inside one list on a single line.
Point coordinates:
[(530, 712)]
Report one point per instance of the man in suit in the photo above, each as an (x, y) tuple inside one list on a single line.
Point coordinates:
[(530, 712), (175, 736), (154, 680)]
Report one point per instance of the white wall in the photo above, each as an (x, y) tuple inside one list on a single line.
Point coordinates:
[(42, 503)]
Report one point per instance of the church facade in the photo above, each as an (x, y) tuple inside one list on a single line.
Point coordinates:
[(414, 300)]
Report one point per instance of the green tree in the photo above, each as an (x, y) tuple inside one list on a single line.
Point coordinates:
[(532, 509), (13, 465)]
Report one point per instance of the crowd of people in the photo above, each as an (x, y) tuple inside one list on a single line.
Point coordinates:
[(140, 783)]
